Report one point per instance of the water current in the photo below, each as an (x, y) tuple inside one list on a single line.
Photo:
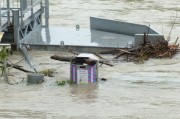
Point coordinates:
[(132, 91)]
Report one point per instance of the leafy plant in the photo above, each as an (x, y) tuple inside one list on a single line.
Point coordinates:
[(63, 82), (48, 72), (4, 53), (70, 82)]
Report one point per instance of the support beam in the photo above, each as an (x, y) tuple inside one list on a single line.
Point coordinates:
[(0, 15), (16, 27), (47, 13), (21, 10), (8, 11)]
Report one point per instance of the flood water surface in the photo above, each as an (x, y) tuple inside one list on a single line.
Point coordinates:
[(132, 91)]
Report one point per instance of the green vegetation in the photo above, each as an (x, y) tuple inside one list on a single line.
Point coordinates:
[(4, 53), (48, 72), (64, 82)]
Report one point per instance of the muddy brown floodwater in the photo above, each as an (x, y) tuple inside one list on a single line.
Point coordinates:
[(132, 91)]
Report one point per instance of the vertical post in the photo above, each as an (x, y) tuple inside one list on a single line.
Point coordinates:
[(32, 7), (8, 13), (41, 7), (16, 27), (23, 4), (32, 13), (21, 10), (47, 13), (48, 38), (0, 15)]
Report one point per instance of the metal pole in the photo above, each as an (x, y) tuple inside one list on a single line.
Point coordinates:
[(0, 15), (16, 27), (41, 7), (47, 13), (32, 7), (22, 11), (48, 37), (8, 13), (32, 13)]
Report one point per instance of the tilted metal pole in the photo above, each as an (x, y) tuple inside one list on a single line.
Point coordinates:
[(24, 51)]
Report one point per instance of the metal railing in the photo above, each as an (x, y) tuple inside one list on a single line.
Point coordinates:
[(26, 8), (4, 12)]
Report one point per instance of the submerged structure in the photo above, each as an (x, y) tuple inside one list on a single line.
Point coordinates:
[(121, 34), (21, 20)]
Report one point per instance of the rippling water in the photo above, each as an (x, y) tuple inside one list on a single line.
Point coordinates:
[(133, 91), (158, 14)]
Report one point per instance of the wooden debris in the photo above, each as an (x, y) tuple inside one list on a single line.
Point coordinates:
[(106, 63), (103, 79), (102, 60), (62, 58), (87, 61), (147, 50), (159, 50), (98, 55), (111, 51), (119, 55), (73, 52), (18, 67)]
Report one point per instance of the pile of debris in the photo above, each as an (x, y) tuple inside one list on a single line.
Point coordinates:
[(161, 49)]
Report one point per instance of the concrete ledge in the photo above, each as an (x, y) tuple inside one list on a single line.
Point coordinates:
[(79, 49)]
